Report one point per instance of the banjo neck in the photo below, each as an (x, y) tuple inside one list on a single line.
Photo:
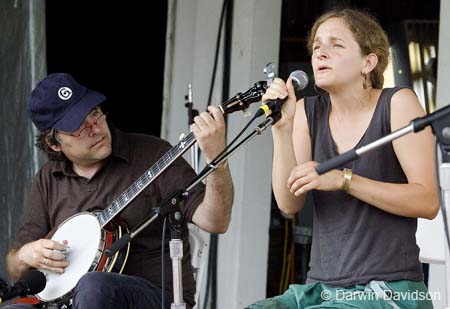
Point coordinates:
[(239, 102), (145, 180)]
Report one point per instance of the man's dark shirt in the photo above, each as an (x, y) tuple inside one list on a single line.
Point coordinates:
[(58, 193)]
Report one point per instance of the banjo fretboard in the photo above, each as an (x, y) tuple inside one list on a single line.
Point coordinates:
[(145, 179)]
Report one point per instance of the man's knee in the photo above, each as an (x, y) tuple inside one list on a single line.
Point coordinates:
[(94, 290), (94, 287), (91, 281)]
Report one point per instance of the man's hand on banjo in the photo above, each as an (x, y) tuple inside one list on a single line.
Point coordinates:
[(45, 254)]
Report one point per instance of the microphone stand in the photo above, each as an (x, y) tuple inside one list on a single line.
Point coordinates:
[(170, 206), (440, 123), (415, 125), (191, 115)]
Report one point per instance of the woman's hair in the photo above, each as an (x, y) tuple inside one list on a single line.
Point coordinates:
[(42, 142), (367, 32)]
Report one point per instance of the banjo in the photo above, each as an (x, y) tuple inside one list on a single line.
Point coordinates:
[(88, 245)]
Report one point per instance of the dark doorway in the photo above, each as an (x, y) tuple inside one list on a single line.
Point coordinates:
[(116, 48)]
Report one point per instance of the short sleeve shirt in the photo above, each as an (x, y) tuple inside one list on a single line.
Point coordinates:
[(58, 193)]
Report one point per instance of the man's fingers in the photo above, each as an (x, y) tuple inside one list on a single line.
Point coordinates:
[(54, 245), (56, 255), (217, 114)]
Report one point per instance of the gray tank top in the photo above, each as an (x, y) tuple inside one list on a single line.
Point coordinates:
[(354, 242)]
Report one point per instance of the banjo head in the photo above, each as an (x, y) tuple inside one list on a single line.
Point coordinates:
[(84, 236)]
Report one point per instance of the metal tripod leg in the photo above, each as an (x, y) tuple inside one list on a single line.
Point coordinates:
[(176, 254)]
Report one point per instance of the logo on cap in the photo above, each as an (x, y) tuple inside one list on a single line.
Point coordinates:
[(64, 93)]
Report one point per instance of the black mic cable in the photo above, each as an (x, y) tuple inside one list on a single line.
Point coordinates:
[(218, 158)]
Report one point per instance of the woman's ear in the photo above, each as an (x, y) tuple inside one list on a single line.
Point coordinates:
[(370, 62)]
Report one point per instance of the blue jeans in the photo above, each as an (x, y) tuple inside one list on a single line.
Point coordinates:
[(110, 290)]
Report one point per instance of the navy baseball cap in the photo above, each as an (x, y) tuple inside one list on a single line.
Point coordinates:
[(60, 102)]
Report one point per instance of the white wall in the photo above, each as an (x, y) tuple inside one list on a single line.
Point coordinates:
[(191, 40), (192, 31), (439, 279), (243, 250), (443, 75)]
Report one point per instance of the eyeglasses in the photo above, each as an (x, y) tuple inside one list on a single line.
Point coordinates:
[(96, 117)]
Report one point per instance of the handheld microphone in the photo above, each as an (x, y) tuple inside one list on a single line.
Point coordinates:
[(32, 282), (299, 81)]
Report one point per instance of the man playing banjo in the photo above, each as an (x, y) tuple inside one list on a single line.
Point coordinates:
[(91, 164)]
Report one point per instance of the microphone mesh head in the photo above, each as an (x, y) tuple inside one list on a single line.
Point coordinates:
[(34, 281), (299, 80)]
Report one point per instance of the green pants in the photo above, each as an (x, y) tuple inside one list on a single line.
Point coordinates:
[(374, 295)]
